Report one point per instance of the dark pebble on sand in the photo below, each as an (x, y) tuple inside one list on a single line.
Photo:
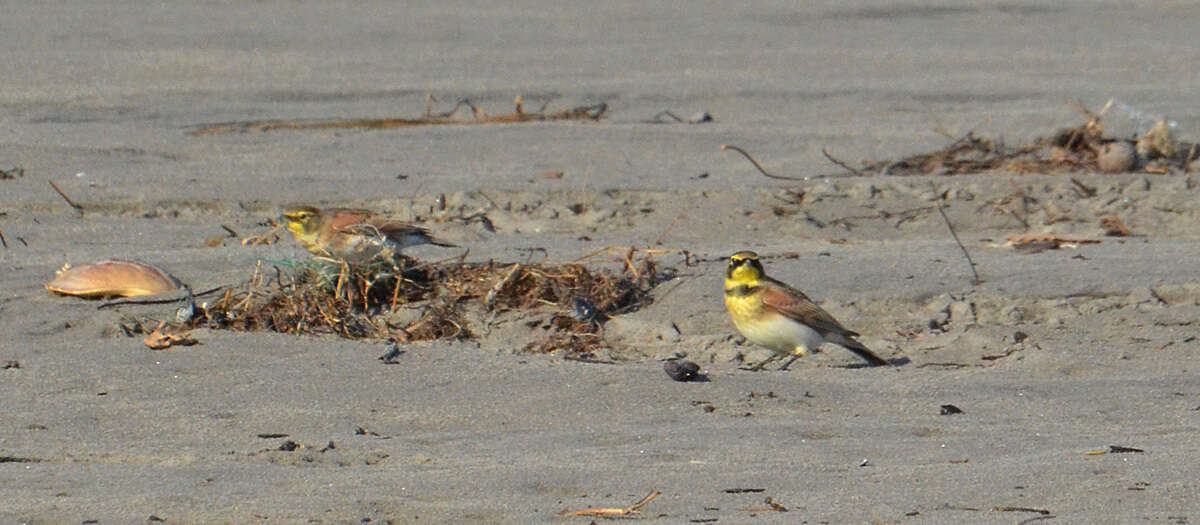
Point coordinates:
[(681, 369)]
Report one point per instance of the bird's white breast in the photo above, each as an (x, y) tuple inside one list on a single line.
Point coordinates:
[(781, 334)]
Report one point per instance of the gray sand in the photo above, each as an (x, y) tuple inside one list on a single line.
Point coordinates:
[(99, 97)]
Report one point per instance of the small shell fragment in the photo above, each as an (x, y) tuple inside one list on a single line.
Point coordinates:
[(112, 278), (164, 337)]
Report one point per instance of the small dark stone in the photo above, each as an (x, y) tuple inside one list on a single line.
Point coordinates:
[(950, 410), (1020, 336), (392, 354), (681, 369), (289, 446)]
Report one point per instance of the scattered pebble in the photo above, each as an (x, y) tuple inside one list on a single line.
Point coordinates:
[(681, 369), (950, 410), (393, 353), (1116, 157)]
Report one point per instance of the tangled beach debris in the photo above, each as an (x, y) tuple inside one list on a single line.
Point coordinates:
[(412, 300)]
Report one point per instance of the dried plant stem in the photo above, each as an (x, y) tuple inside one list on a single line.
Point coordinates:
[(659, 240), (128, 300), (629, 262), (840, 163), (479, 116), (759, 166), (970, 262), (668, 114), (65, 197), (508, 278), (1015, 216), (626, 511)]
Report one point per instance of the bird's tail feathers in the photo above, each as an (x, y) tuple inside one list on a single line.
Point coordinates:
[(862, 351)]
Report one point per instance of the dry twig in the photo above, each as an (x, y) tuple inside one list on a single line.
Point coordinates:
[(592, 112), (77, 207), (1019, 509), (975, 281), (759, 166), (636, 508), (840, 163), (770, 506)]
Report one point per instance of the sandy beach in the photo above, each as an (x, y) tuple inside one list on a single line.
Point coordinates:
[(1075, 369)]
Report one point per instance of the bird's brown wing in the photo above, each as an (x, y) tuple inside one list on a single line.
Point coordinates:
[(793, 303), (342, 218), (354, 221), (400, 229)]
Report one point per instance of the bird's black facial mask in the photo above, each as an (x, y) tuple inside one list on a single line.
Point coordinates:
[(738, 262)]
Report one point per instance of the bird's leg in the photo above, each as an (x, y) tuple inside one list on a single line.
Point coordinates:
[(790, 361), (389, 257), (343, 274), (395, 292), (764, 362)]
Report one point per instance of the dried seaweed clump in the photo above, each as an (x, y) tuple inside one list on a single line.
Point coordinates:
[(1087, 147), (412, 300), (313, 297), (597, 297)]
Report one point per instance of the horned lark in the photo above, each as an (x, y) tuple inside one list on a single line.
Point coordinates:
[(353, 235), (779, 317)]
